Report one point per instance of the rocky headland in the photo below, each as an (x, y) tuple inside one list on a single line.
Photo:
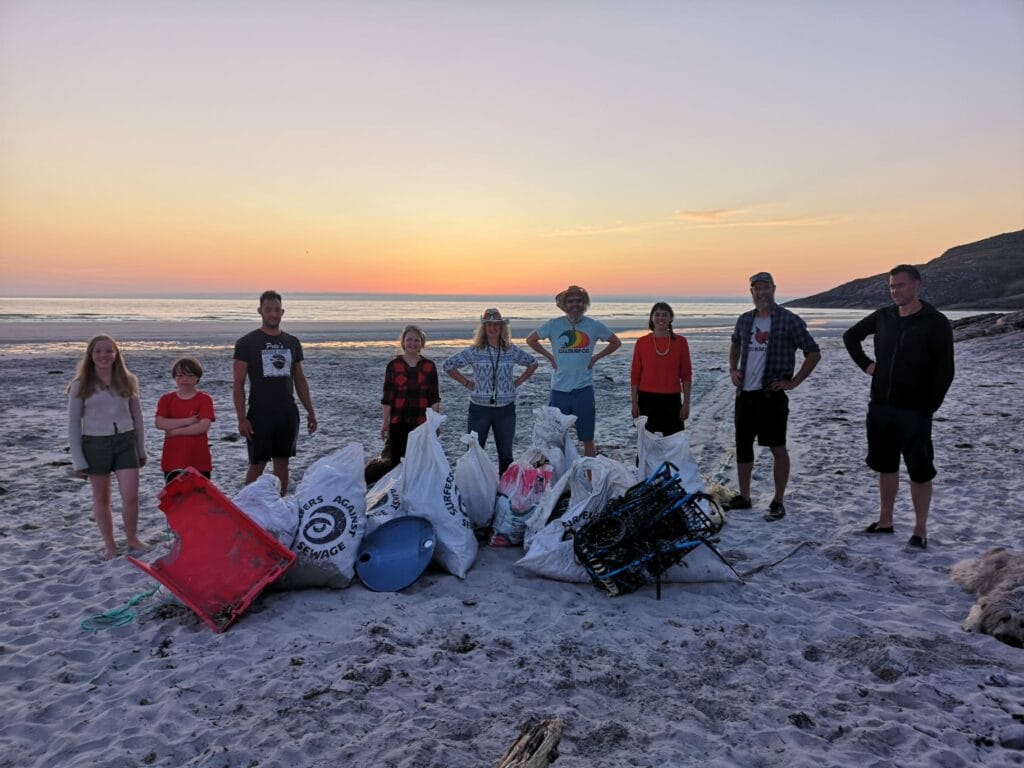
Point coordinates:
[(984, 275)]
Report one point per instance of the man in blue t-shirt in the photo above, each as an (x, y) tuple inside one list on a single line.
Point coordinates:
[(573, 339)]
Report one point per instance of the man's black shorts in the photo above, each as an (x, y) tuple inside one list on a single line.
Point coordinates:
[(275, 434), (895, 432), (761, 414)]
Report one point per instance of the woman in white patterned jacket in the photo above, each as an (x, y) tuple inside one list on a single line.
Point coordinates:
[(493, 386)]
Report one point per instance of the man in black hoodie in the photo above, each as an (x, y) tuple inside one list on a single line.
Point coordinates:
[(910, 376)]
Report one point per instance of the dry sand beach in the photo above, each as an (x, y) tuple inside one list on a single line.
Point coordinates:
[(837, 649)]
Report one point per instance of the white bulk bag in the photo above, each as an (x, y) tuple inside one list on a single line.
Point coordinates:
[(332, 517), (428, 491), (262, 503), (476, 477)]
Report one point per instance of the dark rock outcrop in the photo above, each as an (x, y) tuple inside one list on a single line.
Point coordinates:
[(988, 324)]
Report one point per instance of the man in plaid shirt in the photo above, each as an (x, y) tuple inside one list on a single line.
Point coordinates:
[(762, 357)]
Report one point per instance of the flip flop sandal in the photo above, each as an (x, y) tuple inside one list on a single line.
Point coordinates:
[(876, 528)]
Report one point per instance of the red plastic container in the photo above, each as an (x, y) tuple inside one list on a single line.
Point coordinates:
[(221, 559)]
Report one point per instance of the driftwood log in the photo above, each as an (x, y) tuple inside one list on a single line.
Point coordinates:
[(536, 746)]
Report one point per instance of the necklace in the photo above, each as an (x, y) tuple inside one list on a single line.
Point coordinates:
[(658, 351)]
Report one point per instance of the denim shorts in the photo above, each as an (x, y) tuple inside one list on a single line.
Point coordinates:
[(108, 453), (578, 403)]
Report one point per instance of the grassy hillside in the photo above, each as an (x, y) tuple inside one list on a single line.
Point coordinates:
[(988, 274)]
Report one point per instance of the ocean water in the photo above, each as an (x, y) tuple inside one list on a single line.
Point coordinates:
[(336, 308), (342, 317)]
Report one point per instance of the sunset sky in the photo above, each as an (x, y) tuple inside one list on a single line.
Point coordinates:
[(500, 147)]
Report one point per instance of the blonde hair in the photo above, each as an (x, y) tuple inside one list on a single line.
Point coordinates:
[(411, 329), (480, 337), (122, 381)]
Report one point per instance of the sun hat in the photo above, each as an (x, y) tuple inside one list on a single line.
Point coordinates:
[(492, 316), (572, 290), (762, 277)]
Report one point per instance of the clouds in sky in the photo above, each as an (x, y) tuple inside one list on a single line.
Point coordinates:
[(396, 140)]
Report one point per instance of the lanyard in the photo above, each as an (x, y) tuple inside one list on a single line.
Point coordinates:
[(494, 372)]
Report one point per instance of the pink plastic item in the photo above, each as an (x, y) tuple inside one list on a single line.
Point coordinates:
[(221, 560), (525, 485)]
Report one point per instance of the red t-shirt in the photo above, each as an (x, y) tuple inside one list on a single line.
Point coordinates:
[(661, 373), (186, 450)]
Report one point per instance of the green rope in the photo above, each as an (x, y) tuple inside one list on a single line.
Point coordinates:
[(758, 569), (117, 617)]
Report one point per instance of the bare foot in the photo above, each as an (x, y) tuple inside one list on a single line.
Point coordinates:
[(108, 553), (137, 545)]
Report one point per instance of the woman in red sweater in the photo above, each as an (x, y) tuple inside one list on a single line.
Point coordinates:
[(661, 372)]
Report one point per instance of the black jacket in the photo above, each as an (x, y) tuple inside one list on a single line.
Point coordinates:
[(913, 356)]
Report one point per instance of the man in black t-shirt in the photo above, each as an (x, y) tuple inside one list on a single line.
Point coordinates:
[(272, 362)]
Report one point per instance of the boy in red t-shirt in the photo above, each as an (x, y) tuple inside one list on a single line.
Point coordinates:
[(185, 416)]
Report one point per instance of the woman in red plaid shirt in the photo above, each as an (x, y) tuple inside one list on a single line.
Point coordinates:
[(410, 387)]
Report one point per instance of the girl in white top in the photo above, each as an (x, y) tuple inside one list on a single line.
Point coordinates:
[(105, 430)]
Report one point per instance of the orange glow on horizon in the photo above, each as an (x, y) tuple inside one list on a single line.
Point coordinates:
[(344, 149)]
